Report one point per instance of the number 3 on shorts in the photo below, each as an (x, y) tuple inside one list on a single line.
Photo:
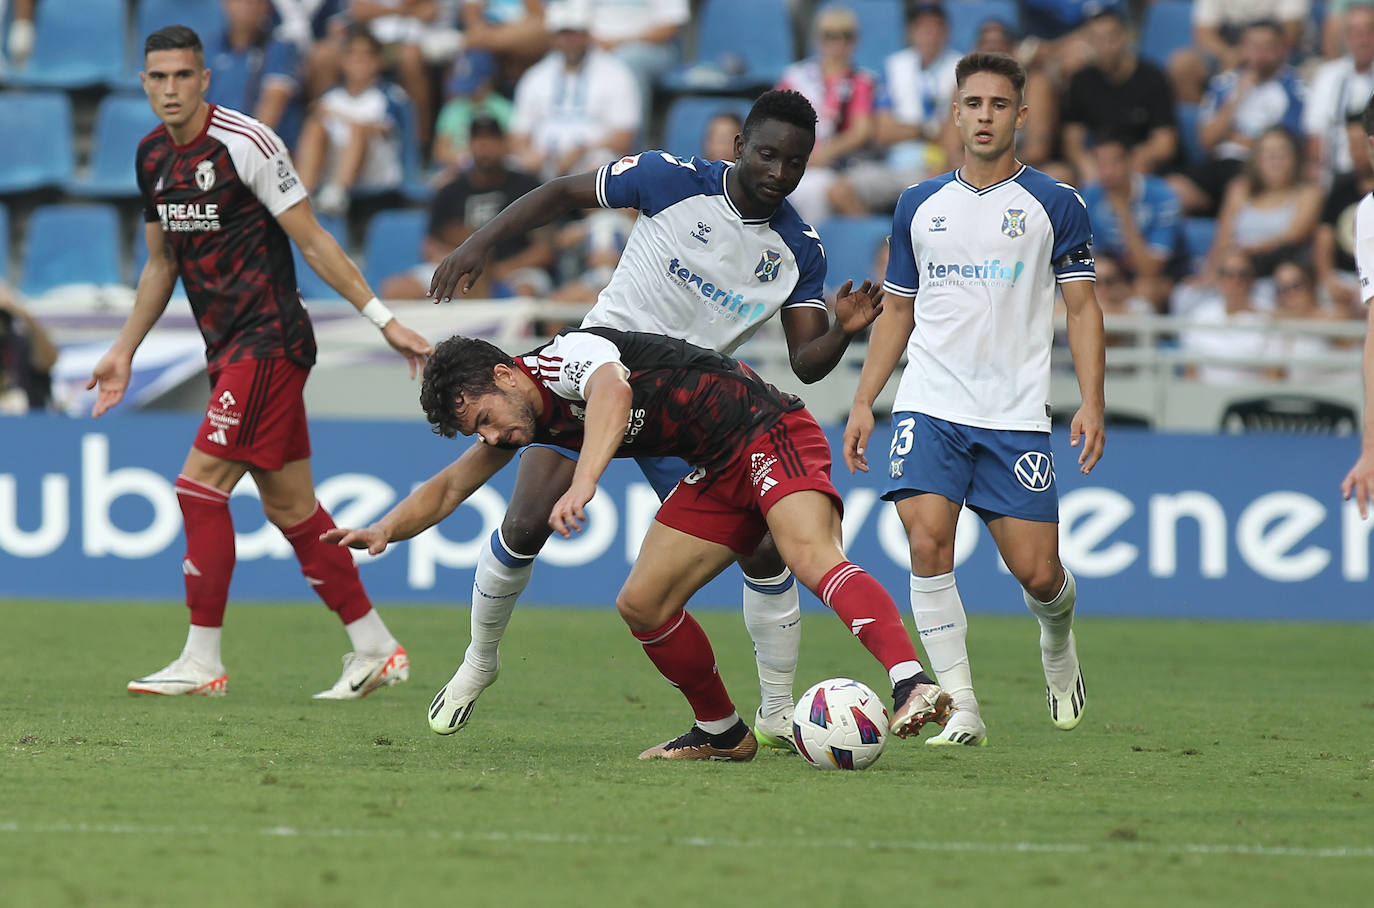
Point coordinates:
[(902, 438)]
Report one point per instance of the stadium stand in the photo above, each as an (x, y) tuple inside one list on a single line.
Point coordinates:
[(392, 243), (44, 157), (881, 31), (849, 246), (77, 44), (1168, 26), (685, 123), (121, 121), (205, 17), (967, 16), (1189, 143), (71, 244), (737, 47), (1197, 238), (1289, 413), (311, 285), (5, 238)]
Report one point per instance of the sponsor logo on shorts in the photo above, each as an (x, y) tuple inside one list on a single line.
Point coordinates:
[(1034, 470), (895, 468), (695, 476), (226, 400), (218, 437), (760, 465)]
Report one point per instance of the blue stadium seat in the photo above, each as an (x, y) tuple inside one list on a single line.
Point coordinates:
[(205, 17), (121, 122), (739, 46), (685, 123), (882, 30), (1188, 141), (312, 286), (43, 157), (967, 16), (77, 44), (1168, 25), (5, 246), (1197, 238), (71, 244), (392, 243), (140, 257), (849, 247)]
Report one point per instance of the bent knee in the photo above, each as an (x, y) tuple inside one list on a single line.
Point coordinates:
[(525, 532), (642, 613)]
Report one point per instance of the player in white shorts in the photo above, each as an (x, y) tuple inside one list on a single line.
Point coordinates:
[(975, 257)]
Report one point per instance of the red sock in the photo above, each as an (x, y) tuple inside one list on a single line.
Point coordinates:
[(867, 610), (209, 561), (682, 653), (327, 567)]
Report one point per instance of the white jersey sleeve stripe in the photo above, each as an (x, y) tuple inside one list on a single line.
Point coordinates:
[(257, 128), (601, 185), (805, 304), (898, 289)]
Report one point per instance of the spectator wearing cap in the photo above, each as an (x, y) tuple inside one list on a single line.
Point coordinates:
[(352, 138), (1262, 91), (843, 95), (1135, 218), (477, 194), (252, 70), (1120, 95), (577, 108), (643, 34), (1340, 89), (27, 356), (913, 130), (472, 92)]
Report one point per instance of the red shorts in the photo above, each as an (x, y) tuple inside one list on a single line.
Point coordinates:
[(729, 507), (257, 414)]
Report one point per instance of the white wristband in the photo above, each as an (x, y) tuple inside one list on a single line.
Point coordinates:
[(377, 313)]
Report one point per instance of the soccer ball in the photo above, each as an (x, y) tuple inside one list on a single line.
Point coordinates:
[(840, 724)]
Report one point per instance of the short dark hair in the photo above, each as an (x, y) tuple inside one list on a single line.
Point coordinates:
[(999, 64), (784, 105), (915, 9), (461, 367), (174, 37), (358, 31), (1367, 118)]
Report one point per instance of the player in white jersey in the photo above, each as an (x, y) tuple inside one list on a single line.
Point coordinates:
[(716, 251), (975, 257), (1359, 482)]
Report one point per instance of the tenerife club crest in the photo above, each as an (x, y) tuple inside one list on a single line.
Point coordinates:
[(768, 265), (1014, 222), (205, 175)]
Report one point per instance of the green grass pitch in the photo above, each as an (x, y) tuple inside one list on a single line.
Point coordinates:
[(1217, 764)]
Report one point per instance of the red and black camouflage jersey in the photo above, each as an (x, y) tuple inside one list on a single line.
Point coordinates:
[(217, 198), (687, 401)]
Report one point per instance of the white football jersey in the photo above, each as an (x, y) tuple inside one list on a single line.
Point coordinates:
[(1364, 246), (982, 266), (694, 267)]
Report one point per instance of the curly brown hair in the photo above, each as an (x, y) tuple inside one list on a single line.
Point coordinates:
[(461, 367)]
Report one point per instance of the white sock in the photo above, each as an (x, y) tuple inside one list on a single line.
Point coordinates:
[(202, 645), (370, 637), (1056, 616), (718, 726), (500, 578), (772, 613), (943, 626)]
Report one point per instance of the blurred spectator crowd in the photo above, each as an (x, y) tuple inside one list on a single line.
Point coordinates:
[(1217, 145)]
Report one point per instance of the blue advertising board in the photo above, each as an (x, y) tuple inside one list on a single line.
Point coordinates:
[(1168, 525)]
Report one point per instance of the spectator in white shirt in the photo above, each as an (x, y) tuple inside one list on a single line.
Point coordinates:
[(1340, 89), (642, 33)]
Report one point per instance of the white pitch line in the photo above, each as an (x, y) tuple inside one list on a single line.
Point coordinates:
[(560, 838)]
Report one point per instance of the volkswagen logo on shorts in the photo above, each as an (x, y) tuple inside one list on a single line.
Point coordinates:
[(1034, 470)]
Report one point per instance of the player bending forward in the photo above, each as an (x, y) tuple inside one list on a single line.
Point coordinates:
[(975, 257), (716, 251), (220, 200), (762, 463)]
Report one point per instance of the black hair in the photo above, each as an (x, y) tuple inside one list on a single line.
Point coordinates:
[(461, 367), (1367, 118), (357, 31), (783, 105), (915, 9), (174, 37), (999, 64)]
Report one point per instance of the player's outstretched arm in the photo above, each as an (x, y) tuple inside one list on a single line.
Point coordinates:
[(814, 343), (463, 266), (891, 331), (430, 503), (322, 253), (1087, 343), (1359, 482), (609, 398), (111, 374)]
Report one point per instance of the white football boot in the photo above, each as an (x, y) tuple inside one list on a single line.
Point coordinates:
[(452, 706), (775, 729), (1064, 691), (965, 727), (364, 674), (184, 676)]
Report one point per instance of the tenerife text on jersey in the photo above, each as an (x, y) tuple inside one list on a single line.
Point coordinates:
[(727, 300), (989, 273)]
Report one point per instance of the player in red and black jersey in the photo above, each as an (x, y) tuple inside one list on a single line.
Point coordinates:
[(222, 202), (762, 464)]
